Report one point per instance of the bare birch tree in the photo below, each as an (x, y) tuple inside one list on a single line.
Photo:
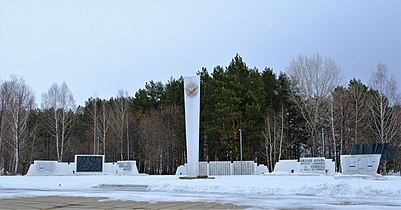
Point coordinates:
[(95, 129), (313, 80), (59, 107), (104, 123), (268, 141), (273, 144), (2, 111), (146, 142), (93, 114), (341, 120), (358, 97), (99, 113), (153, 142), (18, 101), (384, 118), (120, 114)]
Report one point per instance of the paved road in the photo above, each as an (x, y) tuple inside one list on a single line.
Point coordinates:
[(61, 203)]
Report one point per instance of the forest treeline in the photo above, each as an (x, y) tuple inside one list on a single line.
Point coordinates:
[(303, 112)]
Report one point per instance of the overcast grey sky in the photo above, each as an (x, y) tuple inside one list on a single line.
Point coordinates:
[(100, 46)]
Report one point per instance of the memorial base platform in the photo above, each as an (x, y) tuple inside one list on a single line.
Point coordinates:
[(196, 177)]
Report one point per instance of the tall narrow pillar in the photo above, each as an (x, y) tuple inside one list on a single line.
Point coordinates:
[(192, 120)]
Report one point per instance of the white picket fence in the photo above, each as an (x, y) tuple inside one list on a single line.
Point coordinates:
[(218, 168)]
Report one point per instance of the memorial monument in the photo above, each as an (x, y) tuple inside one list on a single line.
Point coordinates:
[(192, 120), (84, 164)]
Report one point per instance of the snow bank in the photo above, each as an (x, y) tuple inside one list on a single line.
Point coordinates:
[(323, 186)]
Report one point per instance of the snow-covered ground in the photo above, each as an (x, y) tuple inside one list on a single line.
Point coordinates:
[(271, 191)]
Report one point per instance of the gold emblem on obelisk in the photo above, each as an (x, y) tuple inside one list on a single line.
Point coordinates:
[(192, 89)]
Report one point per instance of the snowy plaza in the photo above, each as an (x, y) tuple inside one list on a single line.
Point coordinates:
[(272, 191)]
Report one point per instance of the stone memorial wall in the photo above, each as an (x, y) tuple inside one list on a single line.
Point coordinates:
[(89, 163), (318, 165), (84, 165), (360, 164), (313, 165), (221, 168)]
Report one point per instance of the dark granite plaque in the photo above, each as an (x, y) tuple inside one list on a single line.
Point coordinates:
[(89, 163)]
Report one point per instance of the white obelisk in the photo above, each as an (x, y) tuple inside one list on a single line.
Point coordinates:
[(192, 120)]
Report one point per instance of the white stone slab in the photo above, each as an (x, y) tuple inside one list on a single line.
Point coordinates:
[(360, 164)]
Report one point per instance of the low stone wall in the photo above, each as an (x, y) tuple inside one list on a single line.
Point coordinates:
[(287, 166), (47, 167)]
